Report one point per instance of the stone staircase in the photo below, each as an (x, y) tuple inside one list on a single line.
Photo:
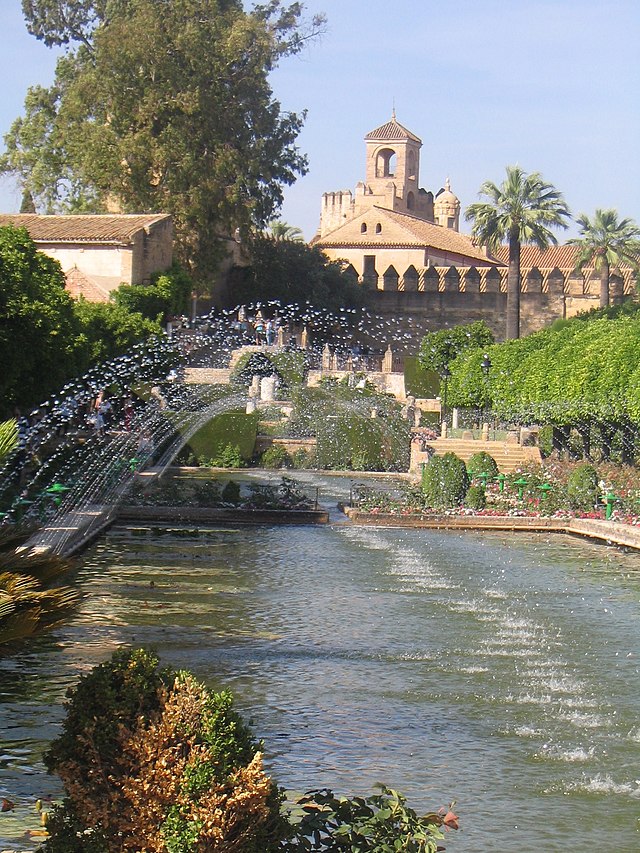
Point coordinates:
[(508, 455)]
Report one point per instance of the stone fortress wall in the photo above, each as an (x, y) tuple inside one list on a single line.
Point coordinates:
[(440, 297)]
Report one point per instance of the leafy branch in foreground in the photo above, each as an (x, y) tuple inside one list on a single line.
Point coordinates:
[(152, 760)]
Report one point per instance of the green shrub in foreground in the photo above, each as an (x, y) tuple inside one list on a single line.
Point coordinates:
[(444, 481), (582, 487), (482, 463), (475, 497), (152, 760)]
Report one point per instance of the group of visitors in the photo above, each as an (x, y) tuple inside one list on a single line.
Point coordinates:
[(257, 329)]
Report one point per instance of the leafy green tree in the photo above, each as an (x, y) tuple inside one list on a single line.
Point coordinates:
[(164, 107), (166, 296), (291, 271), (109, 330), (606, 242), (438, 349), (58, 22), (39, 347), (521, 210)]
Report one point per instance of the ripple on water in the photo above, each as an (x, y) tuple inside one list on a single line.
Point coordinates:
[(602, 783), (574, 755)]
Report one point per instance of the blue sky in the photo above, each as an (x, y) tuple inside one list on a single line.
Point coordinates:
[(552, 85)]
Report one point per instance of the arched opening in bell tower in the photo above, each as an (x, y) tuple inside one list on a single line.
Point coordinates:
[(386, 163)]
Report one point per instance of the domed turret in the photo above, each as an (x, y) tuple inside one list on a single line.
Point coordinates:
[(446, 208)]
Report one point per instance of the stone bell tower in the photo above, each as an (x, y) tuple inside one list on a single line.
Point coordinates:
[(393, 158), (392, 176)]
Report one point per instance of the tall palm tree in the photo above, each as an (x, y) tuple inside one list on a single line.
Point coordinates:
[(520, 210), (606, 243)]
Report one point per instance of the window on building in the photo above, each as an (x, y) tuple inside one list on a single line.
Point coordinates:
[(411, 201), (378, 228), (363, 228)]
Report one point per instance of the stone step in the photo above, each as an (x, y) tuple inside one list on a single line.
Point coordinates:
[(508, 456)]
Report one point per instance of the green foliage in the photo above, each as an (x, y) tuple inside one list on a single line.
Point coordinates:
[(228, 457), (522, 209), (229, 428), (586, 372), (545, 440), (31, 600), (444, 481), (582, 487), (606, 242), (302, 459), (111, 330), (482, 463), (476, 497), (114, 694), (195, 131), (8, 438), (292, 271), (167, 295), (207, 493), (275, 456), (381, 823), (39, 345), (151, 759), (439, 349), (348, 437), (419, 381)]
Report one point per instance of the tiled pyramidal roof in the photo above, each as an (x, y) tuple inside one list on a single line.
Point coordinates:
[(390, 131)]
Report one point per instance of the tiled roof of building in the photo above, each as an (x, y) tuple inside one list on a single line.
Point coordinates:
[(563, 257), (401, 229), (80, 284), (390, 131), (103, 228)]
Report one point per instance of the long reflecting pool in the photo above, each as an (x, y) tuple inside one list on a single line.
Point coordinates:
[(500, 671)]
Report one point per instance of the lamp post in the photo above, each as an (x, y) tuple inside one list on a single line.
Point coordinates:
[(485, 365), (445, 375)]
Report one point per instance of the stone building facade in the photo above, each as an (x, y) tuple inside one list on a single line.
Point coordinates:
[(98, 253), (404, 243)]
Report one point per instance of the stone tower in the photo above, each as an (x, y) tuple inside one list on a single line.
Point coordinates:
[(446, 208), (392, 177)]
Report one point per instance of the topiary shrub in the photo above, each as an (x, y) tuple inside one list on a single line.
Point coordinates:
[(152, 760), (445, 481), (275, 457), (476, 497), (482, 463), (582, 487)]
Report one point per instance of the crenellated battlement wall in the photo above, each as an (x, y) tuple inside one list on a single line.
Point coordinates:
[(439, 297)]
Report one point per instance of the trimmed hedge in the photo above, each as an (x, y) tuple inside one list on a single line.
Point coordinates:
[(482, 463), (229, 428), (445, 481)]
